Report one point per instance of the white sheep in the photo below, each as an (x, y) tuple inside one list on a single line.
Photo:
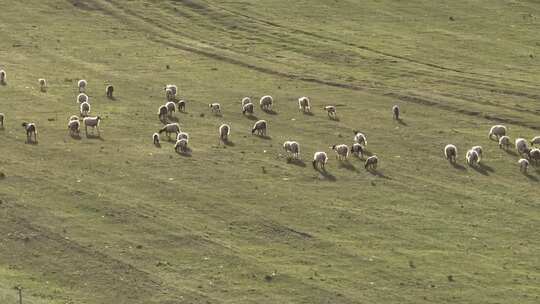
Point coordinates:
[(292, 147), (171, 108), (535, 140), (85, 109), (224, 131), (266, 102), (260, 126), (30, 129), (181, 105), (248, 108), (173, 88), (479, 151), (497, 131), (170, 128), (182, 135), (82, 85), (169, 96), (245, 101), (74, 127), (155, 139), (521, 145), (304, 104), (2, 118), (358, 150), (342, 151), (331, 111), (371, 163), (504, 142), (360, 138), (3, 77), (523, 165), (82, 98), (73, 117), (534, 155), (395, 112), (92, 122), (162, 113), (215, 107), (181, 145), (109, 90), (450, 153), (42, 84), (472, 158), (319, 160)]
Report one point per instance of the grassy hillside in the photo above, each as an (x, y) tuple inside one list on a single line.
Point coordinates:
[(118, 220)]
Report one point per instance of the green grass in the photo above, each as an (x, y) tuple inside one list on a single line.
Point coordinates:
[(119, 220)]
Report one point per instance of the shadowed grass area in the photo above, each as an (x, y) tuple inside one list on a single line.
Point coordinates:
[(117, 219)]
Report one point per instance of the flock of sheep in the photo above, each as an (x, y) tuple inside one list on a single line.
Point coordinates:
[(165, 112)]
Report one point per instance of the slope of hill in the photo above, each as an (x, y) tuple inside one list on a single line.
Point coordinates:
[(118, 220)]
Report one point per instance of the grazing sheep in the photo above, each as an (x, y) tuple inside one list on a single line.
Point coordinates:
[(109, 90), (245, 101), (357, 150), (504, 142), (395, 112), (181, 105), (215, 107), (304, 104), (342, 151), (92, 122), (182, 135), (472, 158), (534, 155), (479, 151), (42, 85), (224, 131), (170, 128), (266, 102), (521, 145), (360, 138), (85, 109), (173, 89), (260, 127), (523, 165), (171, 108), (450, 153), (82, 98), (319, 160), (3, 77), (371, 163), (169, 96), (331, 111), (2, 118), (497, 131), (73, 117), (155, 139), (74, 127), (162, 113), (248, 108), (292, 147), (181, 145), (535, 140), (30, 129), (82, 85)]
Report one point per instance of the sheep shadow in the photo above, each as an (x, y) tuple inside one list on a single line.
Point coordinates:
[(229, 143), (458, 166), (334, 118), (95, 136), (185, 153), (252, 117), (296, 162), (218, 114), (325, 175), (510, 152), (347, 165), (480, 169), (531, 177), (308, 113), (486, 167), (111, 98), (172, 119), (75, 136), (378, 173), (157, 145), (31, 142), (270, 111), (265, 137), (401, 122)]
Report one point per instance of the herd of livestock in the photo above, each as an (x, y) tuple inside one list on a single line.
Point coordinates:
[(473, 156)]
